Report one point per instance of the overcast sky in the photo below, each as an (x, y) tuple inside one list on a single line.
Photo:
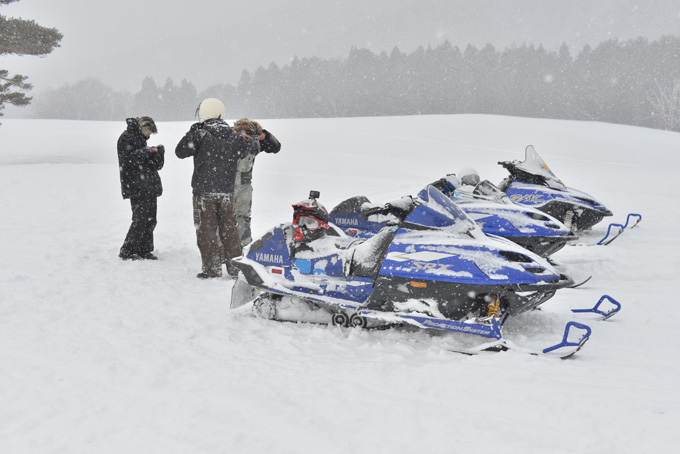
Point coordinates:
[(212, 41)]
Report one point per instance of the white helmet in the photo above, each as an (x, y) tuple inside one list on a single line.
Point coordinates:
[(210, 108), (469, 176)]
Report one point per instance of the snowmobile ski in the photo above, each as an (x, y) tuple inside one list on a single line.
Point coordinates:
[(614, 230), (616, 307), (622, 228), (578, 284), (563, 350), (609, 236), (628, 218)]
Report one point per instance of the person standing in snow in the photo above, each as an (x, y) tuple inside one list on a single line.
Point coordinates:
[(243, 187), (216, 149), (140, 182)]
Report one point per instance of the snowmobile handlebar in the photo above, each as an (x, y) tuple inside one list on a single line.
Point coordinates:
[(507, 164), (385, 209)]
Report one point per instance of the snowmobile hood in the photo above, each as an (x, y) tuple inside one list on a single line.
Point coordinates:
[(493, 210), (435, 256), (512, 220), (438, 241)]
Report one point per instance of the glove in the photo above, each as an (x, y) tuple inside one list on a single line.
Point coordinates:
[(160, 148)]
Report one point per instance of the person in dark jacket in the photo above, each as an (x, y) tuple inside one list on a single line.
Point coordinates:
[(140, 182), (243, 187), (216, 149)]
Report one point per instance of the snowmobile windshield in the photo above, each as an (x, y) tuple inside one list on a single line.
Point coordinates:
[(438, 212), (488, 190), (535, 165)]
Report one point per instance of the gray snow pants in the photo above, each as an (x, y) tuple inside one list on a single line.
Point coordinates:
[(243, 202)]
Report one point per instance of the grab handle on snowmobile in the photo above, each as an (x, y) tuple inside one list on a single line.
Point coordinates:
[(632, 215), (565, 339), (604, 240), (375, 210), (596, 309)]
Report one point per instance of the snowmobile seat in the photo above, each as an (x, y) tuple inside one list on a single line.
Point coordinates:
[(367, 257), (351, 205)]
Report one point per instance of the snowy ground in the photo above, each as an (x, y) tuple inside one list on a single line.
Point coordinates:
[(103, 356)]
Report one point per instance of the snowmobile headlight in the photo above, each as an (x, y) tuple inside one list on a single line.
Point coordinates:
[(515, 257), (538, 217), (588, 201), (535, 270)]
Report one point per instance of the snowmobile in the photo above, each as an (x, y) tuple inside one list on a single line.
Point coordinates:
[(497, 215), (432, 268), (487, 205), (532, 183)]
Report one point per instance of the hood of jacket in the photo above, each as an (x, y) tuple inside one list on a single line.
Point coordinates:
[(133, 128), (217, 127)]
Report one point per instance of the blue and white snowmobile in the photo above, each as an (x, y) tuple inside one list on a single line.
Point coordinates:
[(483, 202), (532, 183), (497, 215), (433, 268)]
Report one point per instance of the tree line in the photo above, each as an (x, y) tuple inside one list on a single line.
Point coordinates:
[(634, 82)]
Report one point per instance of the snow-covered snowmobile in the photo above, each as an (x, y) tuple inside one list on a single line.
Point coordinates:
[(497, 215), (532, 183), (432, 268), (483, 202)]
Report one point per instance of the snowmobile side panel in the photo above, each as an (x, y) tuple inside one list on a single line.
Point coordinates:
[(492, 329)]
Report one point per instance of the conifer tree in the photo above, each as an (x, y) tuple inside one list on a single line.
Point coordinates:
[(21, 37)]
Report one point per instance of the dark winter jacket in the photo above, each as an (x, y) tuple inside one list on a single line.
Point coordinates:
[(216, 149), (139, 165)]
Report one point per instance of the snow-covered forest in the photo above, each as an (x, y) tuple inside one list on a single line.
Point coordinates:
[(635, 82)]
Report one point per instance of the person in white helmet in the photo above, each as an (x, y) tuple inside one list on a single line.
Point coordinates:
[(216, 149)]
